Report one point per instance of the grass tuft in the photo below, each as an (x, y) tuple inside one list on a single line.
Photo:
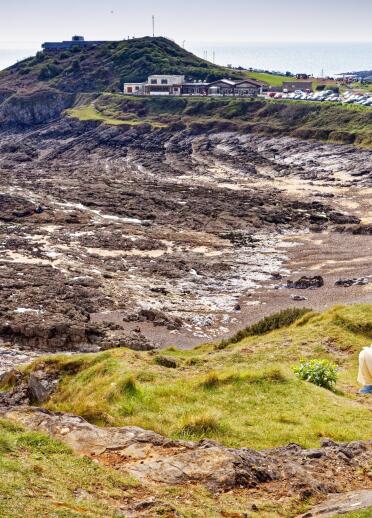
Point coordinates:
[(212, 380), (129, 386), (200, 426), (164, 361)]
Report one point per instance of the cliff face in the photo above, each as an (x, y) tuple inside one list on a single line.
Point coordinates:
[(32, 108)]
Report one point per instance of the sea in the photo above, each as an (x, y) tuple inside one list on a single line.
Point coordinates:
[(9, 56), (319, 59)]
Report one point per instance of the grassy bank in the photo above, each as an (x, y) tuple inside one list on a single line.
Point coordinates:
[(270, 79), (244, 394), (321, 121)]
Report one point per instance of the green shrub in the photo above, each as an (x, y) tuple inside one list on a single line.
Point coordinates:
[(283, 318), (40, 56), (75, 66), (320, 372), (48, 72)]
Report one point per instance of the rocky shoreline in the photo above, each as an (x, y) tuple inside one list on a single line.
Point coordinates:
[(113, 236)]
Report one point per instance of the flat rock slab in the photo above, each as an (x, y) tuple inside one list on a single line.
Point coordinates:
[(340, 504)]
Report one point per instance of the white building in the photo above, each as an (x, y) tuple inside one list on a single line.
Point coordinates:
[(176, 85), (157, 85)]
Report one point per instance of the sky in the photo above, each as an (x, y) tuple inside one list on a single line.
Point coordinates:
[(24, 23)]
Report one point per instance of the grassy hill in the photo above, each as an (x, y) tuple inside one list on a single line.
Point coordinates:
[(107, 66), (198, 396)]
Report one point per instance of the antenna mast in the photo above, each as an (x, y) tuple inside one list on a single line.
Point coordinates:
[(153, 26)]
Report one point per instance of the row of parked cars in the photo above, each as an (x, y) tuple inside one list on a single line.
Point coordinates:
[(363, 100), (324, 95)]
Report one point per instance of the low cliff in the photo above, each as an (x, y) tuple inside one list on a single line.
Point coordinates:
[(32, 108)]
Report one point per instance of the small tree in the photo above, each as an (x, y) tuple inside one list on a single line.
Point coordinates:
[(320, 372)]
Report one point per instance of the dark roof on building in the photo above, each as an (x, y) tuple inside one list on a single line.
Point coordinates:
[(229, 82), (249, 81), (58, 45)]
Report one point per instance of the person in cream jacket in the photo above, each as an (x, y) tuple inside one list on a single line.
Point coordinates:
[(365, 370)]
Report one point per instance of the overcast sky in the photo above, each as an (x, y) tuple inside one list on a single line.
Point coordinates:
[(191, 20)]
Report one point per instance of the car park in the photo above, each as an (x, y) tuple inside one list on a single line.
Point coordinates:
[(361, 99)]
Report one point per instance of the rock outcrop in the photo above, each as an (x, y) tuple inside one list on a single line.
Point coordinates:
[(27, 389), (164, 233), (153, 458)]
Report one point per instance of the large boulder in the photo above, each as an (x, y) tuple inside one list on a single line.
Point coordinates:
[(305, 283)]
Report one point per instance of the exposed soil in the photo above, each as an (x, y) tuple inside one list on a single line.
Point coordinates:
[(109, 233)]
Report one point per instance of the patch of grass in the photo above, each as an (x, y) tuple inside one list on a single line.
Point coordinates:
[(89, 113), (39, 476), (129, 386), (270, 79), (8, 381), (250, 385), (212, 380)]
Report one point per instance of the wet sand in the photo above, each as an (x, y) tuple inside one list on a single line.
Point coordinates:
[(333, 256)]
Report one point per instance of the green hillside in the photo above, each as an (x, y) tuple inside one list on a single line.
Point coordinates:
[(198, 397)]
